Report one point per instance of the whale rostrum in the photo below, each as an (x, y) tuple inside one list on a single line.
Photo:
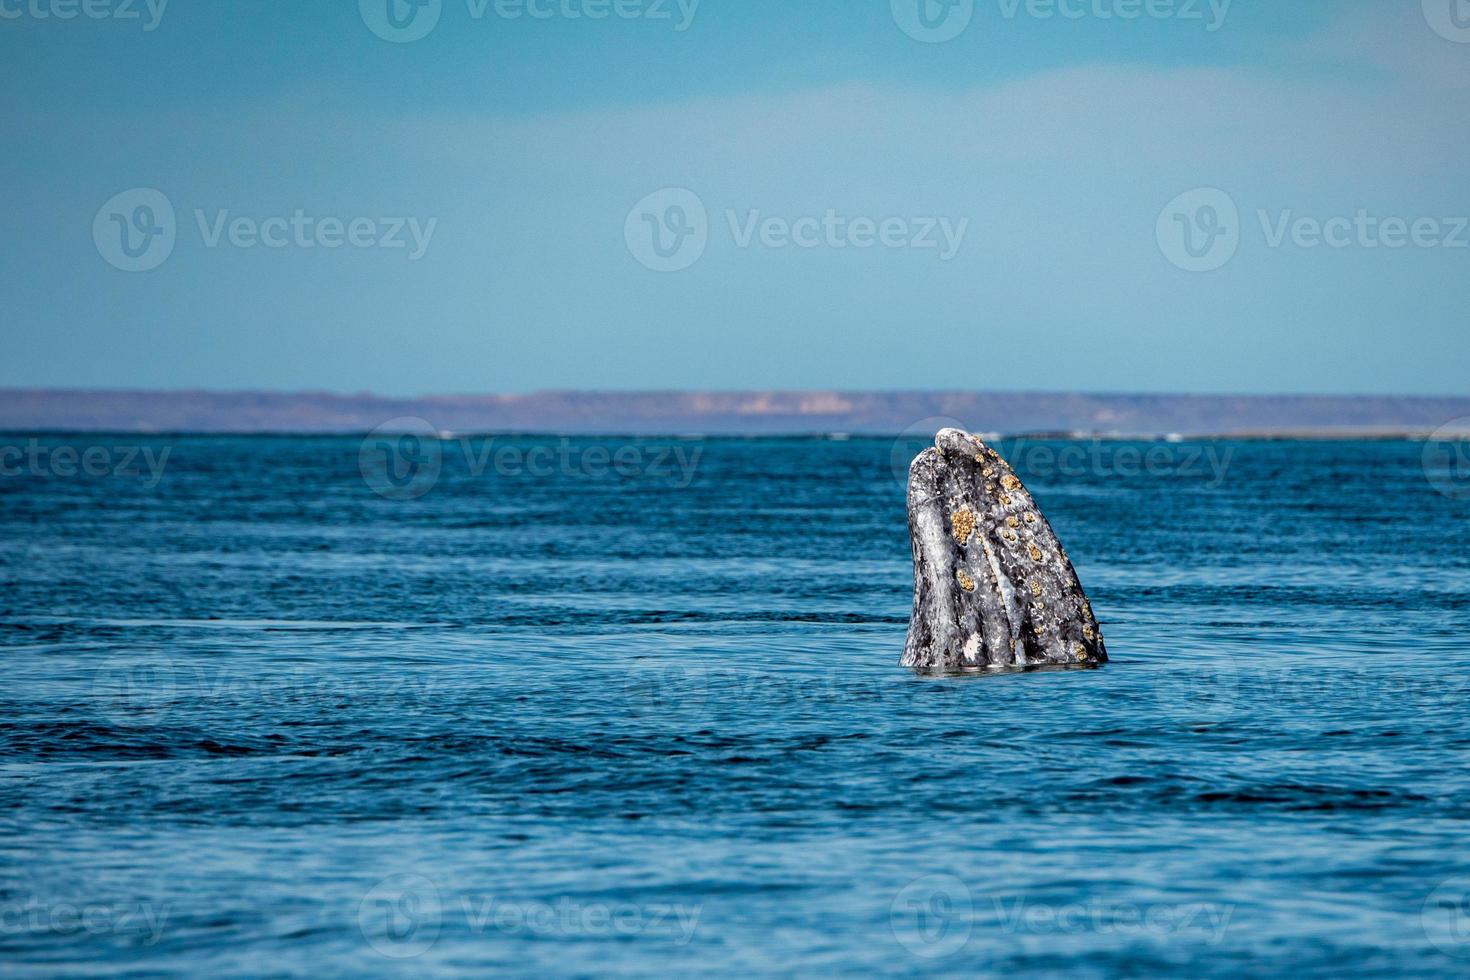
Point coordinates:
[(992, 586)]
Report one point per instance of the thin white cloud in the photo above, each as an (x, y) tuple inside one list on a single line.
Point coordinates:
[(1371, 97)]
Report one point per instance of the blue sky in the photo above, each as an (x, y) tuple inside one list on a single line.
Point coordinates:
[(1005, 209)]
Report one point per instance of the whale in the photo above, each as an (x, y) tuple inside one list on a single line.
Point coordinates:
[(993, 587)]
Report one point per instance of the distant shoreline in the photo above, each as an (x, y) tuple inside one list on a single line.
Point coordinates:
[(1324, 435), (821, 414)]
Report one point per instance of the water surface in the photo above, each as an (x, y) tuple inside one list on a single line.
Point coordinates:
[(539, 713)]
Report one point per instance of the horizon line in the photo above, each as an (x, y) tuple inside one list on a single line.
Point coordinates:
[(1049, 392)]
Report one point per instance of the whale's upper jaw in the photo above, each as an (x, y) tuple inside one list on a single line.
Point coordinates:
[(993, 587)]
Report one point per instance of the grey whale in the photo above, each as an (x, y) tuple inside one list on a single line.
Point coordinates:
[(993, 588)]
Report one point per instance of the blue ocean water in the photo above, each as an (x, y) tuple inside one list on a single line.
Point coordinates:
[(325, 707)]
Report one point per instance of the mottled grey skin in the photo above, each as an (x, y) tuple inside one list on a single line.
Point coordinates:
[(993, 588)]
